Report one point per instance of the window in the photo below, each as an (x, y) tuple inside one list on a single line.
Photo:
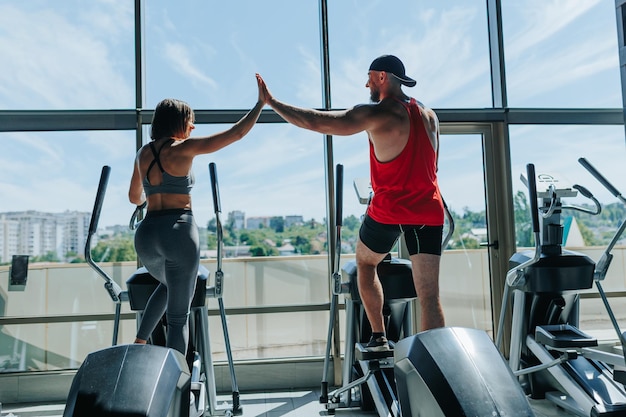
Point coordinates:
[(67, 55), (561, 54), (207, 53), (443, 46)]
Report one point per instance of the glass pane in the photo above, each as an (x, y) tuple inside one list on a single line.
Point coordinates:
[(206, 53), (561, 54), (594, 318), (262, 191), (53, 346), (46, 293), (443, 45), (555, 151), (49, 182), (248, 283), (271, 282), (67, 55), (272, 335), (45, 347), (274, 281), (466, 301)]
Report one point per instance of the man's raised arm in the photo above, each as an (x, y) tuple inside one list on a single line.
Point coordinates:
[(338, 122)]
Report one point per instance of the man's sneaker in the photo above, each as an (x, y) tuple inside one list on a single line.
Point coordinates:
[(378, 345)]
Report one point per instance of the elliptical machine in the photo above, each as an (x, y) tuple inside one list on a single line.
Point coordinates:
[(151, 380), (368, 380), (441, 372), (550, 355)]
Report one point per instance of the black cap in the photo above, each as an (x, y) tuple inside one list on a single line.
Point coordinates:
[(393, 65)]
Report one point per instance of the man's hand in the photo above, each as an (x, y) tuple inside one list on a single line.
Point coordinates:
[(264, 94)]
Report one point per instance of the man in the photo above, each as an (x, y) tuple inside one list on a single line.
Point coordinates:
[(404, 143)]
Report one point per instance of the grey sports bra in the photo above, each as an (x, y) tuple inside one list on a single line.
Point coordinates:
[(170, 184)]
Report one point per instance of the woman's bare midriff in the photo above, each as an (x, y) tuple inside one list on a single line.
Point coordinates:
[(168, 201)]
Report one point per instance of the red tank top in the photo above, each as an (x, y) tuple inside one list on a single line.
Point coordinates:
[(405, 188)]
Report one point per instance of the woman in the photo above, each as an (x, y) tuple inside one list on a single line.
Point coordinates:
[(166, 241)]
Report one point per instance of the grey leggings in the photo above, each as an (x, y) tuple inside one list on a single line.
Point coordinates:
[(166, 242)]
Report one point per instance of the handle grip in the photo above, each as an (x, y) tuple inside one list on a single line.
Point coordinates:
[(532, 191), (339, 194), (584, 191), (600, 177), (215, 188), (97, 207)]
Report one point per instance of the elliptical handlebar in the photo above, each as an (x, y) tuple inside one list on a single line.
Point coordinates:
[(448, 236), (216, 291), (339, 195), (219, 275), (532, 193), (215, 188), (553, 202), (603, 264), (114, 290), (338, 288), (586, 193), (137, 216), (515, 276), (97, 208), (593, 171)]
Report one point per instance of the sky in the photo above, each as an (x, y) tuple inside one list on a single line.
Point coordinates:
[(72, 54)]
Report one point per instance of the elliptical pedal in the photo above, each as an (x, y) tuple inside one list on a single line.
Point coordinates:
[(563, 336), (361, 353)]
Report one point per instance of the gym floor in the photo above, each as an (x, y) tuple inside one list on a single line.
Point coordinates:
[(297, 403)]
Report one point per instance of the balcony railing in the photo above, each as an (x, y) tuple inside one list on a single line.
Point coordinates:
[(277, 307)]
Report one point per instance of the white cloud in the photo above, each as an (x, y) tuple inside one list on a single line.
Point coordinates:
[(426, 54), (553, 45), (60, 59), (56, 62), (556, 149), (179, 57), (566, 67), (542, 20)]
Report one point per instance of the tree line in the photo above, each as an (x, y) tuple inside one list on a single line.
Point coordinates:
[(310, 237)]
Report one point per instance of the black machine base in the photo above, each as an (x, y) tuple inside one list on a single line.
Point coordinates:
[(107, 383), (456, 372)]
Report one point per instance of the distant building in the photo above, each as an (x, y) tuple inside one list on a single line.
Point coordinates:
[(257, 222), (265, 221), (9, 231), (75, 228), (293, 221), (480, 233), (287, 248), (237, 219), (36, 233)]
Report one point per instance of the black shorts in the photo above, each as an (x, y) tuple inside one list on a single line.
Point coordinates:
[(380, 238)]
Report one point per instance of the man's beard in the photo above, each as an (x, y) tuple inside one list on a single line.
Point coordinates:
[(375, 96)]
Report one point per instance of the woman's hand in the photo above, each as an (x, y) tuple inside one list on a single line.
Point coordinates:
[(264, 94)]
